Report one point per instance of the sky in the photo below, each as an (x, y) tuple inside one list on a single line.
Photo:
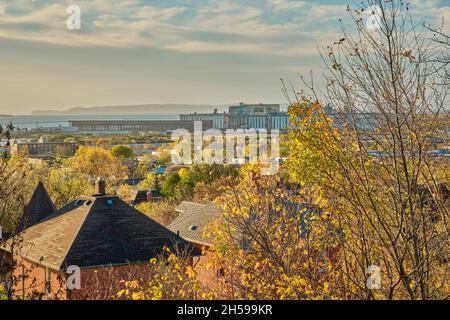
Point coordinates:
[(169, 51)]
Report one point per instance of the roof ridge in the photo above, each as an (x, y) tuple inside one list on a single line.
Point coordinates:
[(190, 202), (103, 231), (179, 218), (54, 219), (77, 234), (191, 226), (38, 208)]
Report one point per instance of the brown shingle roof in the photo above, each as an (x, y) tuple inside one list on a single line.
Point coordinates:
[(191, 223), (96, 231), (39, 207)]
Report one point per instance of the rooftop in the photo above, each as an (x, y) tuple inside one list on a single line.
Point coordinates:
[(193, 219), (95, 231), (39, 207)]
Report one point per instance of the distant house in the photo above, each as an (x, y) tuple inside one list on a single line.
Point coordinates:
[(150, 195), (44, 149), (190, 225), (175, 168), (159, 170), (95, 234), (133, 182)]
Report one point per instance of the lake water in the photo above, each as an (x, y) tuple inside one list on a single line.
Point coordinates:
[(33, 122)]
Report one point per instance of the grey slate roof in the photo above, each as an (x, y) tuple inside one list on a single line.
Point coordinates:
[(188, 206), (191, 223), (39, 207), (96, 231)]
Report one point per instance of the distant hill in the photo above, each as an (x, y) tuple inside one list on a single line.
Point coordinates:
[(148, 109)]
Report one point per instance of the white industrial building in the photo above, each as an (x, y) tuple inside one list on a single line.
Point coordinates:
[(245, 116)]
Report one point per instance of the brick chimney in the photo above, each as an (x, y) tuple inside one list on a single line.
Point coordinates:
[(100, 186)]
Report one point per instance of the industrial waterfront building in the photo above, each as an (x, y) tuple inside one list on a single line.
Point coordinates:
[(245, 116), (121, 126)]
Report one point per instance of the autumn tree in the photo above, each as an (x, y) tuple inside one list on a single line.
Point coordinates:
[(141, 170), (206, 192), (97, 162), (271, 244), (170, 276), (163, 155), (162, 212), (15, 191), (151, 181), (126, 192), (372, 159), (64, 185)]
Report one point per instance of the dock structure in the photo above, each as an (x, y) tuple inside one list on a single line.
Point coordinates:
[(136, 125)]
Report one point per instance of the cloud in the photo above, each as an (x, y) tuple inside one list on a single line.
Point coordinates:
[(286, 5), (319, 12), (275, 27)]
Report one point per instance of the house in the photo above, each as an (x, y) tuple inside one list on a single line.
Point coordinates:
[(93, 235), (150, 195), (190, 225), (159, 170), (133, 182), (39, 207)]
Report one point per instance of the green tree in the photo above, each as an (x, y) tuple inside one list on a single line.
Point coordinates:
[(156, 182), (152, 181), (122, 152), (169, 188)]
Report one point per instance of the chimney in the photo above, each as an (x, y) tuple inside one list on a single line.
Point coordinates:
[(149, 196), (100, 186)]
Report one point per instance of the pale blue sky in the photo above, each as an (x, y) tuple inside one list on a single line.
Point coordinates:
[(170, 51)]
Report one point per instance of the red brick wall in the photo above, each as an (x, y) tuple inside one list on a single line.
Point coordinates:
[(103, 283), (96, 283), (30, 281), (207, 277)]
